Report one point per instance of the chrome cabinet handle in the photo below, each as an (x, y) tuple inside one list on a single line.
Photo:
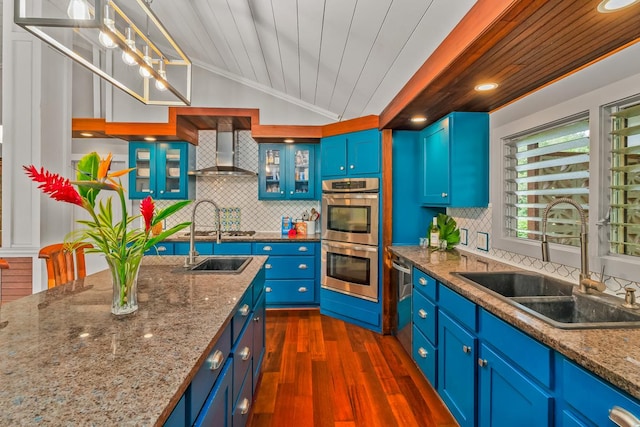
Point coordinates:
[(422, 281), (216, 360), (161, 191), (303, 249), (267, 248), (243, 406), (162, 248), (245, 353), (302, 289), (622, 417), (282, 192), (422, 313), (351, 166), (256, 319), (482, 363), (267, 289), (341, 168), (267, 266), (444, 195), (302, 266), (423, 353), (244, 310), (291, 192), (466, 349)]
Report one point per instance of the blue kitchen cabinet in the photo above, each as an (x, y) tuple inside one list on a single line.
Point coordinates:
[(217, 409), (232, 248), (161, 248), (352, 154), (454, 161), (161, 170), (287, 172)]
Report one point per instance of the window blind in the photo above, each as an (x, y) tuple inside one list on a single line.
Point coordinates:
[(542, 165)]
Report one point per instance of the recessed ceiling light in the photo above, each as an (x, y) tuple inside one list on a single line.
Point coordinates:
[(149, 138), (608, 6), (87, 134), (486, 86), (418, 119), (289, 140)]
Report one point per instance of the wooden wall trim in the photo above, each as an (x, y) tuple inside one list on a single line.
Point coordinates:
[(286, 131), (16, 281), (354, 125), (472, 25), (389, 296)]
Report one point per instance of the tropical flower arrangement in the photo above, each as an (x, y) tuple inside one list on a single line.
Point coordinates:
[(122, 245)]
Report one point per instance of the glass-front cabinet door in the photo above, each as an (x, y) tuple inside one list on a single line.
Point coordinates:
[(301, 184), (161, 169), (172, 170), (272, 176), (287, 171), (142, 182)]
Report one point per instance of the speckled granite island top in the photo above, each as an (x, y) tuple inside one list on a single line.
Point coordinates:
[(613, 354), (66, 360)]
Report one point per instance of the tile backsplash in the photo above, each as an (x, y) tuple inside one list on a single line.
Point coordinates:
[(237, 196), (478, 220)]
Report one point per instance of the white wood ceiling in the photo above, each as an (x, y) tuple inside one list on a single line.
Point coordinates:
[(342, 58)]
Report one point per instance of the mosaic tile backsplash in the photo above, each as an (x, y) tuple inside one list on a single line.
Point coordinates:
[(478, 220), (237, 196)]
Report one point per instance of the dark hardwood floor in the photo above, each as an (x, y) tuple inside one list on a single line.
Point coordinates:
[(319, 371)]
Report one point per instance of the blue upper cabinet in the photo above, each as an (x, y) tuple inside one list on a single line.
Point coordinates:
[(454, 161), (287, 172), (352, 154), (161, 170)]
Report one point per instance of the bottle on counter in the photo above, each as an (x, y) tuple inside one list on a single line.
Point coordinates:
[(434, 234)]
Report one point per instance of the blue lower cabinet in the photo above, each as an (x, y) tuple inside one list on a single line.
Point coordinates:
[(351, 309), (203, 248), (507, 397), (179, 415), (457, 369), (425, 356), (232, 248), (290, 292), (242, 357), (258, 338), (217, 410), (162, 248), (242, 405)]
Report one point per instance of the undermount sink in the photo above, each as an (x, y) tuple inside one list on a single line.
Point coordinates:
[(555, 301), (222, 264)]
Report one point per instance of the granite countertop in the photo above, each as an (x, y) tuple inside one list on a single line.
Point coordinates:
[(260, 236), (609, 353), (66, 360)]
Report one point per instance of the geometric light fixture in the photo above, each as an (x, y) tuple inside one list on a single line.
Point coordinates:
[(125, 44)]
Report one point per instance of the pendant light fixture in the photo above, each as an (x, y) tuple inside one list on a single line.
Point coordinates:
[(92, 31)]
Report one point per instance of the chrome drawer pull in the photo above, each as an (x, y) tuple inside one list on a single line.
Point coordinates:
[(351, 166), (423, 353), (244, 310), (216, 360), (422, 313), (267, 266), (243, 406), (622, 417), (303, 249), (482, 363), (341, 168), (302, 266), (466, 349), (302, 289), (267, 289), (162, 248), (422, 281), (245, 354), (267, 248), (444, 195)]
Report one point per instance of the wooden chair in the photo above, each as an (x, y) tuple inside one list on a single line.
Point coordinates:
[(61, 266)]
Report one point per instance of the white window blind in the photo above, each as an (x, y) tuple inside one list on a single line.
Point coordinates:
[(542, 165), (624, 226)]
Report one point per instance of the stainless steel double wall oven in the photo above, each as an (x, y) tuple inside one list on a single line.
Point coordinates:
[(350, 223)]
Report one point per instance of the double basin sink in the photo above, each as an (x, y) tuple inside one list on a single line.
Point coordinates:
[(554, 301)]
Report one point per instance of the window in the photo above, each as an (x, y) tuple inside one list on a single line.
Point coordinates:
[(624, 226), (541, 165)]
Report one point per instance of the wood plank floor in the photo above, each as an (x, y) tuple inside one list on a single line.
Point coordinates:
[(319, 371)]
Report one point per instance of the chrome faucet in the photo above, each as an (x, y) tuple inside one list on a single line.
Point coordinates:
[(586, 282), (191, 259)]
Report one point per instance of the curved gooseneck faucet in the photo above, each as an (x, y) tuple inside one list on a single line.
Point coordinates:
[(192, 238), (586, 282)]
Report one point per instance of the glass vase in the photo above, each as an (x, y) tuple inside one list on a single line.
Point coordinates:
[(124, 277)]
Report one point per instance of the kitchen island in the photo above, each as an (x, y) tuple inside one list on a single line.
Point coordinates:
[(66, 360)]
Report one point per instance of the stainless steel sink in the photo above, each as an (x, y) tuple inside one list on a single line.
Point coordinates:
[(555, 301), (222, 264)]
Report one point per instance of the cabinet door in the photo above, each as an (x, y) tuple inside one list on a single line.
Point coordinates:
[(507, 397), (271, 176), (435, 158), (171, 170), (333, 156), (363, 152), (218, 407), (301, 172), (142, 181), (457, 369)]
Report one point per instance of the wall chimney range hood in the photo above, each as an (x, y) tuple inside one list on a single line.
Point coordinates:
[(226, 148)]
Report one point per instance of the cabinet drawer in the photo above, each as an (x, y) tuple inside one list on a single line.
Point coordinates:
[(290, 291), (529, 354), (217, 408), (289, 267), (203, 248), (241, 315), (459, 307), (242, 360), (258, 338), (242, 406), (424, 317), (425, 356), (209, 372), (425, 284), (268, 248), (178, 416), (592, 396), (232, 248)]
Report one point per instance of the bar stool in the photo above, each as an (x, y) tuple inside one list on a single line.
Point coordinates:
[(64, 264)]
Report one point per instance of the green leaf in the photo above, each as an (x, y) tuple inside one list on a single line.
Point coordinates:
[(88, 171), (165, 234), (168, 211)]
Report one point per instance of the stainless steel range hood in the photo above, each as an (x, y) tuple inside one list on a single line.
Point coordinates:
[(226, 148)]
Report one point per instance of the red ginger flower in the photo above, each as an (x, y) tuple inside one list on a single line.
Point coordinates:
[(146, 210), (57, 187)]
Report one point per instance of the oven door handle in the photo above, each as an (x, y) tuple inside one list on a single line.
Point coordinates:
[(349, 246), (400, 268)]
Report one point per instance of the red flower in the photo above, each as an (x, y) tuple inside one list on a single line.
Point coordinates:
[(57, 187), (146, 210)]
